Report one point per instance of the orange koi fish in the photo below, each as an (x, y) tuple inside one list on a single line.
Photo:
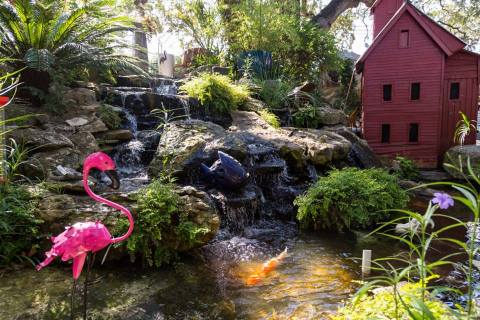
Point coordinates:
[(267, 267)]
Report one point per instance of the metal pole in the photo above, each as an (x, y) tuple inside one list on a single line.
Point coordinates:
[(366, 262)]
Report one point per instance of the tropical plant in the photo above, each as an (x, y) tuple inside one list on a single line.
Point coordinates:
[(350, 198), (159, 219), (45, 37), (463, 128), (216, 92)]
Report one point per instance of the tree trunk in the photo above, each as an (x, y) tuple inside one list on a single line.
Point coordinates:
[(141, 47), (334, 9), (140, 36)]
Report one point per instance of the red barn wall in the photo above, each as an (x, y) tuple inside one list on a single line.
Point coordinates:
[(421, 62), (462, 67), (383, 12)]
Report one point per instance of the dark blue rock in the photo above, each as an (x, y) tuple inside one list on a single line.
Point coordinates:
[(226, 172)]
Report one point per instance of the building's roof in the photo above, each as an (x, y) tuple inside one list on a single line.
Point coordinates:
[(448, 42)]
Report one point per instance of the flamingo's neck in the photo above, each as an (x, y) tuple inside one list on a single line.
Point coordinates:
[(125, 211)]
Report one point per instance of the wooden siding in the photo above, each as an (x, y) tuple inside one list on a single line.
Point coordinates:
[(383, 12), (421, 62), (463, 68)]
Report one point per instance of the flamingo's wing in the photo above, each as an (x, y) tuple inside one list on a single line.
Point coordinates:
[(78, 263)]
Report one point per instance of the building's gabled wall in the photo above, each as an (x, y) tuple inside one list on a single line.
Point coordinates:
[(423, 62), (383, 12), (462, 68)]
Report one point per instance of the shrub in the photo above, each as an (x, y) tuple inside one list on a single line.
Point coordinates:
[(382, 305), (110, 117), (18, 225), (306, 117), (350, 198), (216, 92), (275, 92), (269, 118), (406, 169), (159, 225)]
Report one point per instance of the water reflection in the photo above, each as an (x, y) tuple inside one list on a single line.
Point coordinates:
[(311, 282)]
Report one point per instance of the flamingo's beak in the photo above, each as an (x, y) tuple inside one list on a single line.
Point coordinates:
[(112, 174)]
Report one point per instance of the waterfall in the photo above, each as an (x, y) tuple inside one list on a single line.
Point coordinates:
[(165, 87)]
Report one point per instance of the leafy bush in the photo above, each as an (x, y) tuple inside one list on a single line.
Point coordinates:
[(382, 305), (350, 198), (159, 225), (216, 92), (306, 117), (407, 169), (18, 224), (269, 118), (274, 92), (110, 117), (49, 37)]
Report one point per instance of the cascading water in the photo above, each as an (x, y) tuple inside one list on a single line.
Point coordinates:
[(165, 87), (132, 157)]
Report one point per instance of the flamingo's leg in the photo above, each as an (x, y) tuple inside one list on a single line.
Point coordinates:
[(90, 261), (72, 298)]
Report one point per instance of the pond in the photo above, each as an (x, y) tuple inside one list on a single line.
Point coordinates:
[(312, 281)]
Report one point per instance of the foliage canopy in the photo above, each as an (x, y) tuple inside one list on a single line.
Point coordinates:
[(48, 37)]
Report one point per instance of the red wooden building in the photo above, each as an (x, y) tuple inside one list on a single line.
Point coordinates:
[(416, 77)]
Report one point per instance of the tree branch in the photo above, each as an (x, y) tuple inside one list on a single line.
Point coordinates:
[(334, 9)]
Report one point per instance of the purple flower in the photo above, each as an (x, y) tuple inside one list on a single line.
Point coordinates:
[(443, 200)]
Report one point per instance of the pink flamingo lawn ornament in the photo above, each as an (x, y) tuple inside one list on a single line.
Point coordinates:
[(83, 237)]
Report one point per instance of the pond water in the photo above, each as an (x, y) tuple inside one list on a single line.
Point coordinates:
[(312, 281)]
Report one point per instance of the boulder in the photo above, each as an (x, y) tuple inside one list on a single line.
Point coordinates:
[(361, 155), (458, 156), (43, 165), (200, 210), (85, 143), (80, 97), (60, 210), (40, 140), (120, 135), (96, 125), (77, 121), (297, 146), (185, 144), (221, 70), (329, 116)]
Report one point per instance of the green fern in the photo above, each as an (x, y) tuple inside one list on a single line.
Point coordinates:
[(216, 92)]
